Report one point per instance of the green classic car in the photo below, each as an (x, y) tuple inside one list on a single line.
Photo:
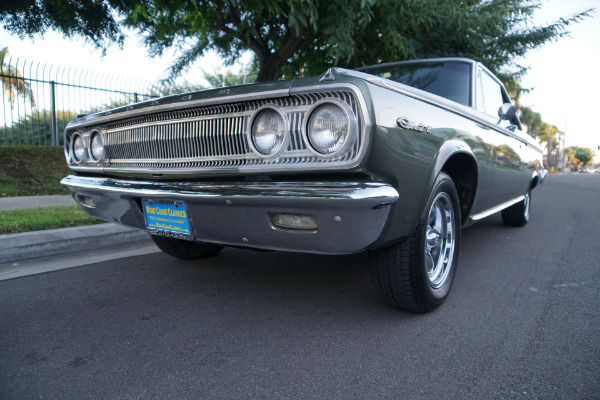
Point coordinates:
[(394, 159)]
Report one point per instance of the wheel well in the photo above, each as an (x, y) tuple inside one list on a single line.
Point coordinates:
[(462, 168)]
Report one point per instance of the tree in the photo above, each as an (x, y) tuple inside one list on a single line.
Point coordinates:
[(288, 37), (551, 135), (583, 154), (90, 19), (231, 78), (12, 86), (34, 128), (532, 120)]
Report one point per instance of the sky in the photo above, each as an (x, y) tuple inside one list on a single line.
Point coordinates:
[(563, 75)]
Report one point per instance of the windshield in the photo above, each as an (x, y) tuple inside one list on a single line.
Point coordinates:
[(451, 80)]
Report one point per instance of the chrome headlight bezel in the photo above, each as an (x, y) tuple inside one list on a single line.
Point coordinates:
[(350, 137), (92, 137), (282, 145), (67, 149), (82, 150)]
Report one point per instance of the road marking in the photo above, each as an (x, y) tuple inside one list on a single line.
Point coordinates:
[(569, 285)]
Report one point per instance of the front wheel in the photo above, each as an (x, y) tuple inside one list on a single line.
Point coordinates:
[(184, 249), (417, 274)]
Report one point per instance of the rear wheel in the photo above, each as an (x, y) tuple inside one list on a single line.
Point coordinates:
[(417, 274), (184, 249), (518, 214)]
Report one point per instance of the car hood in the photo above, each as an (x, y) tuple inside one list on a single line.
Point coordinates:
[(223, 95)]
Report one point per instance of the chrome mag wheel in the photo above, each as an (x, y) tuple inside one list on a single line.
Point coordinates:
[(440, 240)]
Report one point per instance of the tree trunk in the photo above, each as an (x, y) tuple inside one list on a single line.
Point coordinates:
[(270, 63), (270, 70), (549, 157)]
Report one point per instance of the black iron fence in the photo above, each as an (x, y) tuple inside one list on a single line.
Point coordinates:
[(39, 100)]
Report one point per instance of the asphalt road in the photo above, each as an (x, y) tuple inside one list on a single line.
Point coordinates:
[(522, 321)]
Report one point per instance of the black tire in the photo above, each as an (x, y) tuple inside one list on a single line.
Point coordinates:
[(518, 214), (184, 249), (407, 274)]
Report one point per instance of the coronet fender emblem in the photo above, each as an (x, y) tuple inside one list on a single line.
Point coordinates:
[(413, 126)]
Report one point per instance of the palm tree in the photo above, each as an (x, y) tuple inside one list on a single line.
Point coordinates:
[(12, 83), (532, 120), (552, 136)]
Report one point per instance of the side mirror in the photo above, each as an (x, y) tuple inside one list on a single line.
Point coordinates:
[(507, 111)]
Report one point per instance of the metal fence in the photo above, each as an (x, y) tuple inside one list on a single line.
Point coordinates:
[(39, 100)]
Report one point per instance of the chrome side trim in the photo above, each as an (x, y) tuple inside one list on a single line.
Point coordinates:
[(494, 210)]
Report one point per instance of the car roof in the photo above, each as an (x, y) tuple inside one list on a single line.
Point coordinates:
[(421, 61)]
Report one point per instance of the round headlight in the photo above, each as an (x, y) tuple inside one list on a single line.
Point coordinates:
[(268, 132), (97, 146), (328, 128), (78, 148)]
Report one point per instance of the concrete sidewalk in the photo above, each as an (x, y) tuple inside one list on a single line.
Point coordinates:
[(20, 203), (27, 246)]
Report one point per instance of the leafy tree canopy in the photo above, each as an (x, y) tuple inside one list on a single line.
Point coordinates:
[(91, 19), (532, 120), (583, 154), (293, 37), (550, 134)]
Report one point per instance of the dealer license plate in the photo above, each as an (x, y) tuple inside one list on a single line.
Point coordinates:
[(167, 216)]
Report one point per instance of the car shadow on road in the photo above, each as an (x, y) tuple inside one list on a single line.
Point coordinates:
[(265, 278), (289, 281)]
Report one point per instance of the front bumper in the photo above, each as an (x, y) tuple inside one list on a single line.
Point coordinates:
[(350, 216)]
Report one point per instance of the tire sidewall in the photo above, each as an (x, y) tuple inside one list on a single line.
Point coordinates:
[(435, 296)]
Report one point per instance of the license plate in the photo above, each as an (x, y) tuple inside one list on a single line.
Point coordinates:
[(167, 216)]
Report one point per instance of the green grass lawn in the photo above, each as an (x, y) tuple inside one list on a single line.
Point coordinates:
[(36, 171), (32, 170), (37, 219)]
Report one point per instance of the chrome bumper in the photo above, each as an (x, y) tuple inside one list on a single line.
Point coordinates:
[(350, 216)]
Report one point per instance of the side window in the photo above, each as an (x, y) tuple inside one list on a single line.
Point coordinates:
[(489, 94)]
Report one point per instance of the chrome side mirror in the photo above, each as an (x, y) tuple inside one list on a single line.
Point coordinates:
[(507, 111)]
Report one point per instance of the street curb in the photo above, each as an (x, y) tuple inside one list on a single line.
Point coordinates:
[(19, 247)]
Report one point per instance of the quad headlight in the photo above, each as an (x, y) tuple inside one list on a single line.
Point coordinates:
[(86, 147), (330, 128), (269, 132), (96, 146), (78, 147)]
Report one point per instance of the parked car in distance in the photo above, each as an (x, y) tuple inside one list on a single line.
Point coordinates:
[(394, 159)]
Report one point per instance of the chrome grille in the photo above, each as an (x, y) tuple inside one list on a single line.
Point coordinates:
[(207, 138), (212, 137)]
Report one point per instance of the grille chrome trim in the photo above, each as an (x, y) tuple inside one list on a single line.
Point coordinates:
[(215, 138)]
